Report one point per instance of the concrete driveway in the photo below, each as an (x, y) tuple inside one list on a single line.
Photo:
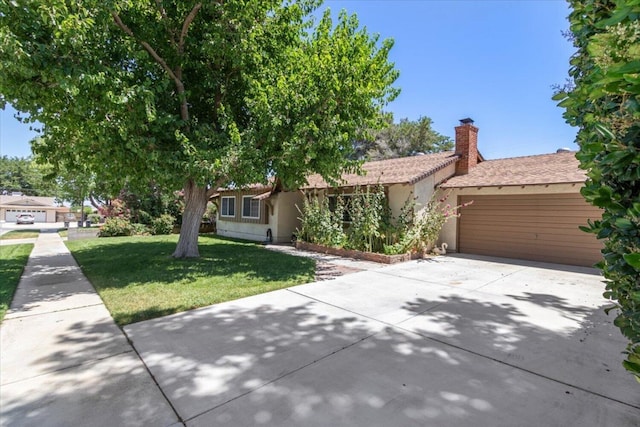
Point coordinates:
[(452, 341)]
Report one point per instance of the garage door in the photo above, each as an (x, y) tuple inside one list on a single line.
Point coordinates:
[(532, 227), (40, 215)]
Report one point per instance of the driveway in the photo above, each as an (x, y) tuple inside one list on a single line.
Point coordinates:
[(451, 341)]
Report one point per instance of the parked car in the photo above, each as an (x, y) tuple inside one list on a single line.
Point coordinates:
[(25, 218)]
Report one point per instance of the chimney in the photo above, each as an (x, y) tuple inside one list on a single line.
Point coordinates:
[(466, 146)]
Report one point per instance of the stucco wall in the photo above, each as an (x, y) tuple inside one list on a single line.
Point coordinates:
[(450, 229), (286, 215), (398, 196)]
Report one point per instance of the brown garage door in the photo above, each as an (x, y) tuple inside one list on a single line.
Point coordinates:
[(534, 227)]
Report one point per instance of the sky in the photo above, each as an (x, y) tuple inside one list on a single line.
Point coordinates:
[(494, 61)]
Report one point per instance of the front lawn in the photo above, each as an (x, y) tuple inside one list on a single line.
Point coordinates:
[(20, 234), (13, 258), (138, 280)]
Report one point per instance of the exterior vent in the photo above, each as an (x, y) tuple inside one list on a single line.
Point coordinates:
[(563, 150)]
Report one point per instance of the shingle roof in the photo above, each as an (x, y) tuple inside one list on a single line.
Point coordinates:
[(553, 168), (28, 201), (403, 170)]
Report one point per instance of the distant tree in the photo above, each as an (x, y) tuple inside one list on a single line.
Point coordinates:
[(24, 175), (192, 94), (603, 101), (405, 138)]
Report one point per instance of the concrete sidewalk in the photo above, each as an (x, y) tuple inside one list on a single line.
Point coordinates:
[(63, 360)]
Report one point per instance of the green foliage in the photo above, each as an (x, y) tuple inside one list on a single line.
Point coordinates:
[(603, 101), (193, 95), (27, 177), (371, 227), (405, 138), (146, 204), (319, 224), (94, 218), (398, 228), (211, 212), (367, 210), (427, 224), (121, 227), (13, 258), (147, 283), (162, 225)]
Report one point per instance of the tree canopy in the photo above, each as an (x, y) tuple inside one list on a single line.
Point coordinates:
[(405, 138), (24, 175), (193, 94), (603, 101)]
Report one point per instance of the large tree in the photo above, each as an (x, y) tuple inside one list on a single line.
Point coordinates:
[(603, 101), (193, 94), (24, 175), (401, 139)]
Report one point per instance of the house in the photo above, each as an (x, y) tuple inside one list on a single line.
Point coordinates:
[(523, 207), (44, 209), (262, 213), (402, 178)]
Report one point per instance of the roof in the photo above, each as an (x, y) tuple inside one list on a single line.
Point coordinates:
[(27, 201), (403, 170), (556, 168)]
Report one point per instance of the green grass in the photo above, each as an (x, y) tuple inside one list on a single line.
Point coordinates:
[(20, 234), (13, 258), (63, 232), (138, 280)]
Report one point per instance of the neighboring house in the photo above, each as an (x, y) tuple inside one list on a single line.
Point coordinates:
[(43, 209), (523, 207)]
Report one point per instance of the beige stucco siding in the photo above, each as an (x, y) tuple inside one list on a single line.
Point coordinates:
[(422, 191), (286, 215), (398, 195)]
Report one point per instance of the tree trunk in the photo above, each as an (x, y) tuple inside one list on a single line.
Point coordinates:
[(195, 204)]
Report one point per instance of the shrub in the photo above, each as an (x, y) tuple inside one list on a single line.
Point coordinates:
[(320, 225), (138, 229), (144, 217), (94, 218), (162, 225), (601, 100), (425, 229), (367, 210), (116, 227)]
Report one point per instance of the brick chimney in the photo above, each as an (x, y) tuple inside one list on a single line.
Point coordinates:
[(466, 146)]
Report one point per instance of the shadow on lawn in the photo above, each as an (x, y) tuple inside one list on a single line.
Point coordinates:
[(142, 260)]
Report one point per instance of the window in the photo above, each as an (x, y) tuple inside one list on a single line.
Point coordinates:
[(250, 207), (228, 208)]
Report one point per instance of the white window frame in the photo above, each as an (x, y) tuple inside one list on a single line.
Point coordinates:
[(222, 215), (251, 201)]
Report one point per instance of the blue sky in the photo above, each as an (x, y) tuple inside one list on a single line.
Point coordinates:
[(493, 61)]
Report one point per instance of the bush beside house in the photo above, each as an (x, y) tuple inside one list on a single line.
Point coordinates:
[(364, 222)]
